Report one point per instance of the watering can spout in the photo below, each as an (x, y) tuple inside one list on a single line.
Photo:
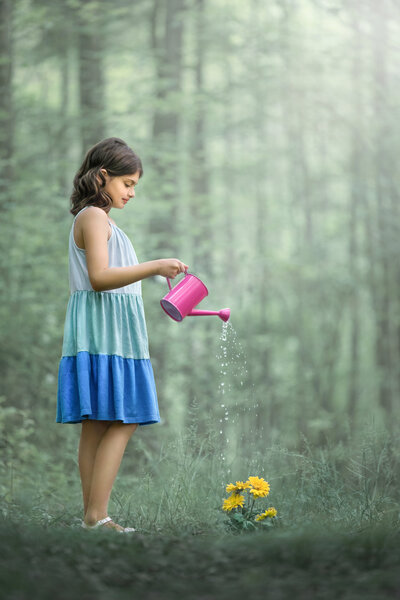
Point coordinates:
[(223, 314)]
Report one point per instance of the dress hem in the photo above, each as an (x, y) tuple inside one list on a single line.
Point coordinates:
[(150, 420)]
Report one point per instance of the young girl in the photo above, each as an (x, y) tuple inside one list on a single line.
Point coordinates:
[(105, 377)]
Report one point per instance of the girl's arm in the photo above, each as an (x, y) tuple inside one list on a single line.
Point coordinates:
[(94, 224)]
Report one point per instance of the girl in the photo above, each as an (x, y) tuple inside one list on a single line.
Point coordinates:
[(105, 377)]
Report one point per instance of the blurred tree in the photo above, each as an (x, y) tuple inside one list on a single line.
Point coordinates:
[(201, 214), (382, 175), (167, 27), (167, 37), (358, 195), (90, 19), (260, 80), (7, 116)]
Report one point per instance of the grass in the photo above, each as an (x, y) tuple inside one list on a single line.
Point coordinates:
[(298, 563), (336, 536)]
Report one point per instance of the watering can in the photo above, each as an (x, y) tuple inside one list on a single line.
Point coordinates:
[(181, 299)]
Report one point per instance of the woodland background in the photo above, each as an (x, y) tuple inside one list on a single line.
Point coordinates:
[(269, 136)]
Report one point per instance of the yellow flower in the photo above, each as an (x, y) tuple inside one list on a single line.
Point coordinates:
[(260, 487), (270, 512), (233, 501), (239, 487)]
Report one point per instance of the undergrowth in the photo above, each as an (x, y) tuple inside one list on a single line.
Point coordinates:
[(180, 486)]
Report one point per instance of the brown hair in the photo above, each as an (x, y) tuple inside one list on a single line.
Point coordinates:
[(112, 154)]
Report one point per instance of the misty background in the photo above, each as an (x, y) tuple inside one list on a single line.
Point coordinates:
[(268, 132)]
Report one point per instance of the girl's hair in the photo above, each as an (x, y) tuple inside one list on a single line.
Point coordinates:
[(112, 154)]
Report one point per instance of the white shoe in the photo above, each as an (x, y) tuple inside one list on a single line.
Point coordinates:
[(106, 520)]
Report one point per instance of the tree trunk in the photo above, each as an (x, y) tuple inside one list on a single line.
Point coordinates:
[(382, 192), (268, 411), (64, 138), (6, 104), (200, 207), (167, 27), (201, 225), (294, 152), (358, 192), (91, 78), (167, 47)]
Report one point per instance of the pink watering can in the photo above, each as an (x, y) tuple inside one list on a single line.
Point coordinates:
[(181, 299)]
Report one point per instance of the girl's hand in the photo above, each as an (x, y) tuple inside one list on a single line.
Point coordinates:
[(171, 267)]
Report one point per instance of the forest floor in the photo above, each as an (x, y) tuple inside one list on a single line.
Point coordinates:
[(66, 562)]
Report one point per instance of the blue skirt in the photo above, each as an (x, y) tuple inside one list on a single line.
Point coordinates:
[(105, 371)]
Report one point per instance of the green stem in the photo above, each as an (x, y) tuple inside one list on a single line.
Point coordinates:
[(251, 508)]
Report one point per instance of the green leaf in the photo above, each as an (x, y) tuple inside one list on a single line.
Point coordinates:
[(238, 517)]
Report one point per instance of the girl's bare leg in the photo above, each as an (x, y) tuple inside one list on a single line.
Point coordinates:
[(100, 453), (91, 434)]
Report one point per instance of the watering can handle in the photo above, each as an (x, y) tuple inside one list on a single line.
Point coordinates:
[(169, 281)]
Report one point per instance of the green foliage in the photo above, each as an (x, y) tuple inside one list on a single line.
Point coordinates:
[(322, 537), (16, 428)]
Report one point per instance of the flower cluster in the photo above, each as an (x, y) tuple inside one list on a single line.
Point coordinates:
[(256, 487), (270, 512)]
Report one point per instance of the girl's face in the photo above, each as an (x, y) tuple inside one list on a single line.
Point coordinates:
[(120, 188)]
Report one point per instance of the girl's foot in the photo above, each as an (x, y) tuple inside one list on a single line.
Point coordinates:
[(112, 525), (107, 522)]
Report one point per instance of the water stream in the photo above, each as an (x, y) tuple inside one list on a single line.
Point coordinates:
[(237, 414)]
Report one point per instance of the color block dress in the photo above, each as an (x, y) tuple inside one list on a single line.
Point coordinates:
[(105, 371)]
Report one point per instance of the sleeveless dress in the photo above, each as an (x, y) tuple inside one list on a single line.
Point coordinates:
[(105, 371)]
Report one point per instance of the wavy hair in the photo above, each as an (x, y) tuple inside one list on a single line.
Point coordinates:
[(111, 154)]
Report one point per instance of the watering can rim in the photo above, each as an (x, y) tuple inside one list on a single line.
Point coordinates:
[(186, 273)]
